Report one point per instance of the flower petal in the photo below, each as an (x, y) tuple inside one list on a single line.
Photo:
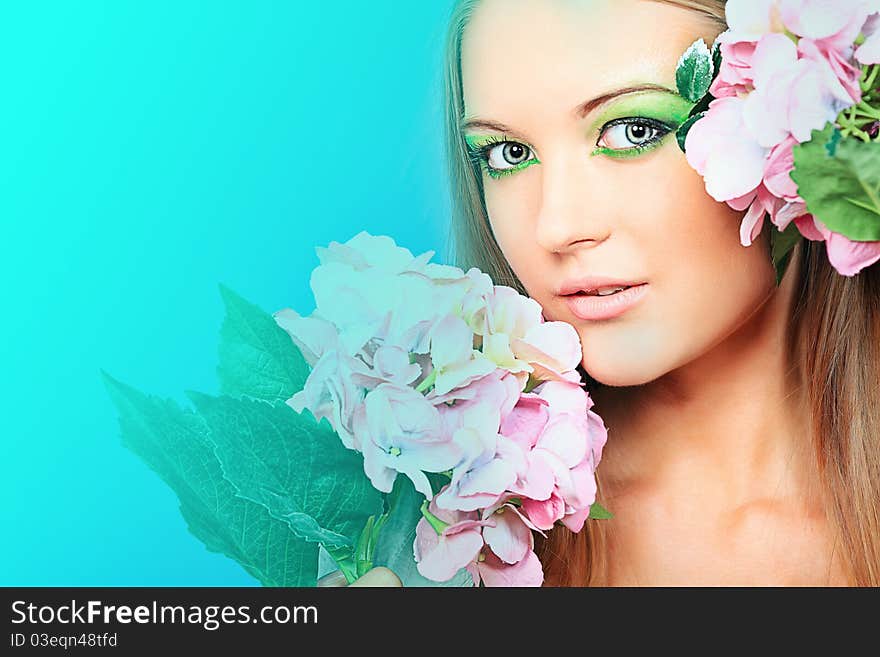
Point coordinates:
[(441, 557), (527, 572), (510, 539)]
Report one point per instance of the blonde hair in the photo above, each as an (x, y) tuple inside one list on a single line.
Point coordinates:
[(833, 339)]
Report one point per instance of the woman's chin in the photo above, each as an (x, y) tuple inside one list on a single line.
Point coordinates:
[(619, 373)]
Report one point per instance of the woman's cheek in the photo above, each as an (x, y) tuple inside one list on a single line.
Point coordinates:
[(514, 233)]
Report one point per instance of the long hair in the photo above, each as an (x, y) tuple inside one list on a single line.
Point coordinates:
[(833, 341)]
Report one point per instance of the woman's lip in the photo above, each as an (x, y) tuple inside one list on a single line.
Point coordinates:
[(593, 283), (591, 307)]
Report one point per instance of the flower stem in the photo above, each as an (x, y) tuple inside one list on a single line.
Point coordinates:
[(861, 134), (433, 520), (867, 110), (344, 559), (870, 77), (364, 557), (532, 383), (428, 382)]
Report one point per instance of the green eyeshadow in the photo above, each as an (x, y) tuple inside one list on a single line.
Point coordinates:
[(476, 141), (667, 108)]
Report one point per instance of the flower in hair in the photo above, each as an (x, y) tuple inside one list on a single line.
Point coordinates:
[(786, 121)]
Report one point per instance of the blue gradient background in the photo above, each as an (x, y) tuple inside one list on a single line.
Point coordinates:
[(149, 152)]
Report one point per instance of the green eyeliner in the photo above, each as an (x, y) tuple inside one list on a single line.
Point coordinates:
[(629, 153)]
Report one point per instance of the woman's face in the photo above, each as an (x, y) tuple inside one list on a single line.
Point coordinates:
[(577, 194)]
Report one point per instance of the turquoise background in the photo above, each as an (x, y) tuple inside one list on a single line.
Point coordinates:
[(150, 151)]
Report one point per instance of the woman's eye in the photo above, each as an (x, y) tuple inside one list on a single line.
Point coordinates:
[(633, 134), (508, 155)]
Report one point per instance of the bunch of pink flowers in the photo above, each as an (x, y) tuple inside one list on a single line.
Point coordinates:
[(424, 368), (542, 471), (788, 67)]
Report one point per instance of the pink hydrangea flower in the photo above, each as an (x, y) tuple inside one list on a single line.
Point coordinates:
[(472, 416), (549, 445), (828, 26), (481, 404), (508, 533), (838, 21), (496, 546), (846, 256), (563, 441), (492, 571), (330, 392), (313, 336), (735, 75), (489, 467), (869, 51), (776, 195), (456, 362), (553, 349), (440, 556), (516, 337), (474, 301), (749, 20), (398, 430), (390, 364), (524, 425), (509, 316), (780, 164), (793, 94), (508, 557), (788, 68), (722, 150), (839, 75)]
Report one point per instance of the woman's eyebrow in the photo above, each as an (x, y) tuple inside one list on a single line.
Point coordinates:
[(588, 106), (580, 111), (486, 124)]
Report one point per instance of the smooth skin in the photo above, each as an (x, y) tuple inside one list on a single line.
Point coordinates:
[(707, 467)]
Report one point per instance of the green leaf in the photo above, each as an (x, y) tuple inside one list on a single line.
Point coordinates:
[(684, 129), (781, 244), (831, 146), (438, 480), (174, 443), (257, 357), (703, 106), (326, 563), (598, 512), (394, 549), (840, 181), (294, 466), (693, 74), (716, 59)]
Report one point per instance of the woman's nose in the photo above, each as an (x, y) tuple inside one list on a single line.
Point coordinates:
[(569, 216)]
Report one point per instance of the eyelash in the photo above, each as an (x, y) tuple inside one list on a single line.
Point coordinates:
[(662, 131), (480, 154)]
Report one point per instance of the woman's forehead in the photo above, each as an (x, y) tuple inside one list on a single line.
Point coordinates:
[(557, 53)]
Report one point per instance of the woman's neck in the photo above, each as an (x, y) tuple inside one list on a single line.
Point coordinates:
[(732, 424)]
